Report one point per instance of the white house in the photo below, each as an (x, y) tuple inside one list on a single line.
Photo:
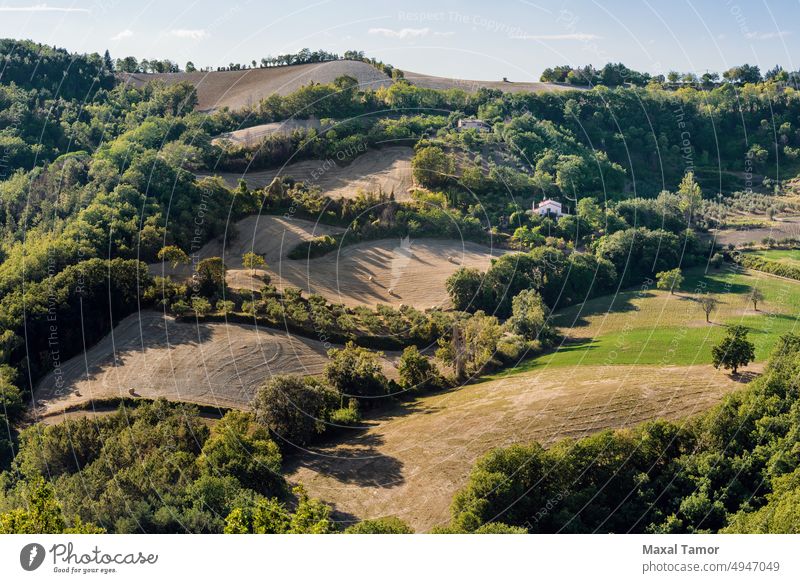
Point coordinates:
[(476, 124), (548, 208)]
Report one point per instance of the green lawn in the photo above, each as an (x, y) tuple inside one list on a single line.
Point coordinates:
[(783, 255), (656, 328)]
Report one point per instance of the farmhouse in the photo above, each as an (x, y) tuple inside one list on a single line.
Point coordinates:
[(548, 208), (476, 124)]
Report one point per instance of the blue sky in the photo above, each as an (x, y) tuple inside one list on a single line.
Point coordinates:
[(465, 39)]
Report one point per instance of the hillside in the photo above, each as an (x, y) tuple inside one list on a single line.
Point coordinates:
[(378, 170), (211, 363), (238, 89), (359, 274)]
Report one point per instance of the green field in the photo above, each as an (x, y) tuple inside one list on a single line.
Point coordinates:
[(652, 327), (783, 255)]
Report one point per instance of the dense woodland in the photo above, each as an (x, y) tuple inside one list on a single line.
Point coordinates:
[(99, 178)]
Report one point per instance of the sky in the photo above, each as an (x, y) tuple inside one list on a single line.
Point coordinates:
[(468, 39)]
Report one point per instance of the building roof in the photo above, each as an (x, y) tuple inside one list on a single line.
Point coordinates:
[(548, 201)]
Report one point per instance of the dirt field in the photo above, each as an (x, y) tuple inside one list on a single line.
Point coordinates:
[(211, 363), (412, 461), (415, 269), (470, 86), (239, 89), (386, 169), (781, 228), (253, 135)]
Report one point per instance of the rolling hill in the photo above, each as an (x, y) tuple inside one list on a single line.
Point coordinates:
[(238, 89)]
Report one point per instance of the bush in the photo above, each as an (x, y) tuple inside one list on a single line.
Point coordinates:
[(356, 371), (386, 525), (294, 408), (416, 371)]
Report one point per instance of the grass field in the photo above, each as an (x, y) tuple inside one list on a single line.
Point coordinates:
[(791, 256), (653, 327)]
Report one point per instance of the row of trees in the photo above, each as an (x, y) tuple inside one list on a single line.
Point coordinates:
[(617, 74)]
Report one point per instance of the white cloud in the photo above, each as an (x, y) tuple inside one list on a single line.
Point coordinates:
[(122, 34), (582, 36), (42, 8), (191, 34), (448, 33), (767, 35), (402, 33)]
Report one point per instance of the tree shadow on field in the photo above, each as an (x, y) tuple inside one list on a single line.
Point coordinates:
[(577, 316), (712, 285), (352, 460), (744, 377)]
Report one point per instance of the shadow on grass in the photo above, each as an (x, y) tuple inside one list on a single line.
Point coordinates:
[(576, 316), (352, 459)]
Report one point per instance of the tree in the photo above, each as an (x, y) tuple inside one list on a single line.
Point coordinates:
[(294, 408), (472, 345), (669, 279), (529, 316), (211, 277), (355, 371), (108, 63), (270, 516), (432, 167), (200, 306), (708, 303), (690, 195), (463, 287), (253, 261), (41, 514), (190, 68), (241, 448), (173, 254), (416, 371), (734, 351), (755, 296)]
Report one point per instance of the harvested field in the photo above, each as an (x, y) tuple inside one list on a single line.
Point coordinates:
[(360, 274), (239, 89), (470, 86), (410, 462), (780, 228), (384, 169), (253, 135), (209, 363)]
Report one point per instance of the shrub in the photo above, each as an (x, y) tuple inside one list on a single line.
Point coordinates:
[(386, 525), (294, 408), (355, 371)]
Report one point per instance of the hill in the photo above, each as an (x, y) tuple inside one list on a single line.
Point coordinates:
[(238, 89)]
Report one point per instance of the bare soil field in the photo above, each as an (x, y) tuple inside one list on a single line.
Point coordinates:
[(780, 228), (384, 169), (210, 363), (239, 89), (410, 462), (360, 274), (253, 135)]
